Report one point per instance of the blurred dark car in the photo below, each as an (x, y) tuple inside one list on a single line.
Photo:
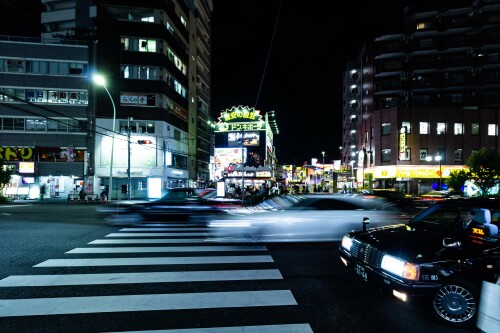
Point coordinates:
[(306, 218), (427, 199), (401, 199), (441, 256), (177, 205)]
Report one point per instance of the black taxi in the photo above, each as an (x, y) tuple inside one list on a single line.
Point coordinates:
[(443, 253)]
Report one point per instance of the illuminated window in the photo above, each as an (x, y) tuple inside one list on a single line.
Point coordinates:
[(407, 125), (458, 129), (492, 129), (421, 25), (423, 154), (406, 155), (424, 127), (441, 129)]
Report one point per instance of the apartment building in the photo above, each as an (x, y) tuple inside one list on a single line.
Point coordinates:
[(428, 97)]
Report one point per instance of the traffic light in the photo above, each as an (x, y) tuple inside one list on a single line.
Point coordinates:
[(144, 142)]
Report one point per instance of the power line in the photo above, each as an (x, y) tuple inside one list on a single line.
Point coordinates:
[(268, 54)]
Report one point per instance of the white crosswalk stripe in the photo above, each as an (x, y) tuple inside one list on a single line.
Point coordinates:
[(290, 328), (166, 249), (145, 277), (148, 241), (157, 234), (122, 303), (153, 261)]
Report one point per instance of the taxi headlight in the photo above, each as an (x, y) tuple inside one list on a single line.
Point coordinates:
[(400, 267), (347, 242)]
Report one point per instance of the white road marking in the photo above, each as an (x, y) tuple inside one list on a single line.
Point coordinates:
[(145, 249), (162, 229), (153, 261), (156, 234), (148, 241), (151, 302), (284, 328), (146, 277)]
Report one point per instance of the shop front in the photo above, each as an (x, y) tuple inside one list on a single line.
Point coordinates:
[(250, 177), (410, 179)]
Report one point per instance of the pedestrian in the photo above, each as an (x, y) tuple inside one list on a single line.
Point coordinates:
[(81, 195), (42, 191)]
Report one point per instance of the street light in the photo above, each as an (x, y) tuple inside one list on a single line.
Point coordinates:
[(437, 158), (99, 79)]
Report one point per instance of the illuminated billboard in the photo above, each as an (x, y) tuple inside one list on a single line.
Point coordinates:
[(249, 139), (226, 156)]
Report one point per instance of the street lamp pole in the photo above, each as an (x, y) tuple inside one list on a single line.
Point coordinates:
[(129, 186), (438, 158), (100, 81), (323, 171)]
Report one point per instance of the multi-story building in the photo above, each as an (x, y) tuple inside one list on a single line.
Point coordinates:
[(155, 57), (244, 148), (44, 115), (431, 90)]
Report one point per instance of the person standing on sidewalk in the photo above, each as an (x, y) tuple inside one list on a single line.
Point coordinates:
[(42, 191)]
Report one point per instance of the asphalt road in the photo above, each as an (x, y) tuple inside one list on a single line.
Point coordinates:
[(170, 278)]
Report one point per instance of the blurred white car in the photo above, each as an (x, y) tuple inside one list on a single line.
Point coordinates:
[(321, 217)]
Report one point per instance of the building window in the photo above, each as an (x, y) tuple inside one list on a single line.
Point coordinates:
[(492, 129), (424, 128), (474, 129), (458, 129), (407, 125), (406, 155), (458, 155), (441, 129), (39, 125), (421, 25), (386, 128), (423, 154), (386, 155)]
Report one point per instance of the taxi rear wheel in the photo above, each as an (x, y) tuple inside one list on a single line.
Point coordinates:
[(456, 303)]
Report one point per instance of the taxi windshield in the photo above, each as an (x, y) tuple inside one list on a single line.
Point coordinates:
[(463, 219)]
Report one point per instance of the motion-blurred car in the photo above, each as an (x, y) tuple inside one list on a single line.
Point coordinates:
[(427, 199), (177, 204), (441, 255), (304, 218)]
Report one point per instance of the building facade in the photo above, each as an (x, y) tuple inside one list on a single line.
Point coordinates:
[(431, 90), (156, 61), (44, 115)]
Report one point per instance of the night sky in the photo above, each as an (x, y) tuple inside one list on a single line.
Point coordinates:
[(297, 70)]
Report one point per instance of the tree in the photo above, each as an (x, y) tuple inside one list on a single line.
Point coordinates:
[(484, 165), (457, 179), (5, 174)]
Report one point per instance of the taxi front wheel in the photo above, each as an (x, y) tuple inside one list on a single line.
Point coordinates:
[(456, 303)]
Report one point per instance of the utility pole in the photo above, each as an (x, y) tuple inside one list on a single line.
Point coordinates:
[(242, 168), (129, 189)]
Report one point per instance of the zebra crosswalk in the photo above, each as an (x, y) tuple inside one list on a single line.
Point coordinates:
[(167, 262)]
